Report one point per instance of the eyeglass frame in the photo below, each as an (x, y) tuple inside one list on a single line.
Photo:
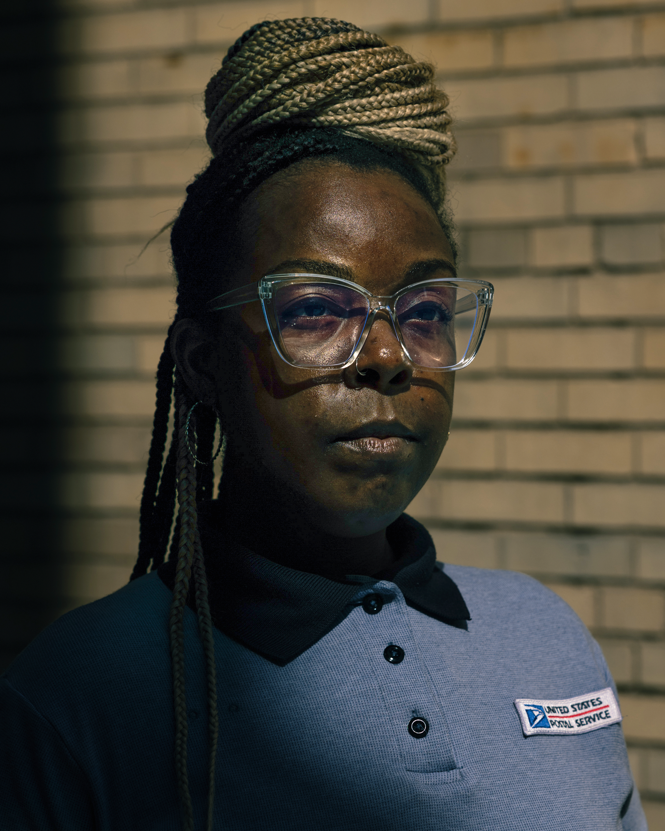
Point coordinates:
[(263, 291)]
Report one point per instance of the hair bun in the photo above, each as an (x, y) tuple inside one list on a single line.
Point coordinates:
[(328, 73)]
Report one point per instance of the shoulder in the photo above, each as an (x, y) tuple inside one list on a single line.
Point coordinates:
[(97, 645), (494, 586), (509, 598), (536, 633)]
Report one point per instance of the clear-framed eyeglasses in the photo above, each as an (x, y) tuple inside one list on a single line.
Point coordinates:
[(316, 321)]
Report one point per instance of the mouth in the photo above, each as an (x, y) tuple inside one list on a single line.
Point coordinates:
[(377, 437)]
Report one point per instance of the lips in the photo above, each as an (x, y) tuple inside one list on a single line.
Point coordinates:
[(378, 430)]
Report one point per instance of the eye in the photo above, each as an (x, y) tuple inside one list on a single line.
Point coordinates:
[(310, 308), (427, 312)]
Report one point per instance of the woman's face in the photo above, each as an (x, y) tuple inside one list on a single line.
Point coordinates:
[(350, 450)]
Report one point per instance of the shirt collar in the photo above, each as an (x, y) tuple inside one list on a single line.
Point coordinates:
[(279, 612)]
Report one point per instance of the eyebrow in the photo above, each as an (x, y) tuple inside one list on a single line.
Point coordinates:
[(419, 270)]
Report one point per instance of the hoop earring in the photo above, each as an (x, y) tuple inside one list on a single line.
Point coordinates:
[(189, 446)]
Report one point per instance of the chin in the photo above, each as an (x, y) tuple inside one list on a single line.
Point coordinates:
[(363, 523)]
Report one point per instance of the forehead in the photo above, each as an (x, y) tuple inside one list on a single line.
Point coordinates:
[(373, 224)]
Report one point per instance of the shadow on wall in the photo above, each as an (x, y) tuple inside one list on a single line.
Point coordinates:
[(29, 280)]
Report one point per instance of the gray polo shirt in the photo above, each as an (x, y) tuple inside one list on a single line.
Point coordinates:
[(392, 718)]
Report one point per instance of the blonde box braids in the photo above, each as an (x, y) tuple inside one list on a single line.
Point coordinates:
[(304, 73), (328, 73)]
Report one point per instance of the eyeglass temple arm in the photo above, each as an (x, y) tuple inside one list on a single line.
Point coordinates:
[(469, 302), (236, 297)]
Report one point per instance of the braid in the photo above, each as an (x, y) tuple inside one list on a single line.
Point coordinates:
[(165, 505), (148, 527), (208, 641), (328, 73), (187, 539), (286, 91)]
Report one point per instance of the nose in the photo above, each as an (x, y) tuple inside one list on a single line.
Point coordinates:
[(381, 364)]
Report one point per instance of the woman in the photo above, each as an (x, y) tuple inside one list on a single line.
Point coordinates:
[(339, 678)]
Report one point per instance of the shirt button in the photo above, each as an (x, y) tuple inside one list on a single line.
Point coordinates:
[(372, 603), (418, 728), (393, 654)]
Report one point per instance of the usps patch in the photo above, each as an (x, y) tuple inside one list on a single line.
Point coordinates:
[(568, 716)]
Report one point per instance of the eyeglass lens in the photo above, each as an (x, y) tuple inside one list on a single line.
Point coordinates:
[(320, 324)]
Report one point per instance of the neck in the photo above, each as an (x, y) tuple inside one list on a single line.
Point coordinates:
[(280, 528)]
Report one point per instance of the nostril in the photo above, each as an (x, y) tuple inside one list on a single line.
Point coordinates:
[(400, 378), (368, 376)]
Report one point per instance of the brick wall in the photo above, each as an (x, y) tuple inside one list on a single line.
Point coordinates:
[(556, 462)]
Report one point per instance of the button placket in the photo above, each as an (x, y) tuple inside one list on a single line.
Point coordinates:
[(412, 705)]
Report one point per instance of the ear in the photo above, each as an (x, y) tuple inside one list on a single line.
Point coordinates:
[(197, 360)]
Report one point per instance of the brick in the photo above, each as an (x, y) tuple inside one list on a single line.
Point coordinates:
[(652, 453), (148, 351), (497, 248), (96, 353), (643, 719), (514, 200), (635, 244), (105, 490), (127, 216), (563, 554), (507, 97), (484, 501), (653, 34), (94, 80), (651, 558), (96, 170), (465, 548), (132, 123), (620, 298), (579, 598), (653, 664), (629, 400), (374, 14), (569, 42), (176, 73), (91, 4), (619, 657), (567, 246), (450, 10), (101, 537), (617, 194), (570, 349), (91, 581), (126, 32), (655, 764), (450, 51), (109, 399), (612, 4), (567, 451), (523, 298), (120, 307), (571, 144), (124, 444), (631, 505), (632, 88), (171, 167), (632, 609), (654, 138), (468, 450), (477, 150), (654, 813), (506, 400), (115, 261), (488, 357), (224, 22)]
